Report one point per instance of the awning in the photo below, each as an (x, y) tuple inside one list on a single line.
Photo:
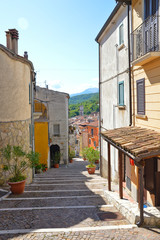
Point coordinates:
[(136, 142)]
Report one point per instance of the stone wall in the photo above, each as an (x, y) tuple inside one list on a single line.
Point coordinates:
[(15, 133)]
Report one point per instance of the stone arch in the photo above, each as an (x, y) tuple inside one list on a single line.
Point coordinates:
[(54, 148)]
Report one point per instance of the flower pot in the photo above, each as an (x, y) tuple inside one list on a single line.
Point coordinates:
[(96, 161), (91, 170), (17, 187), (56, 165), (71, 160)]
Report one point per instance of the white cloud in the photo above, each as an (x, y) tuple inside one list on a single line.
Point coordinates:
[(23, 23)]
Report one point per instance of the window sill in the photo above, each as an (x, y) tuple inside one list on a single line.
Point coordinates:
[(121, 47), (144, 117), (123, 107)]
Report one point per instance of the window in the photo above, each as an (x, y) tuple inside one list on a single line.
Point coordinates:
[(141, 97), (95, 143), (150, 8), (29, 93), (56, 129), (121, 93), (92, 132), (121, 35), (89, 141), (30, 135)]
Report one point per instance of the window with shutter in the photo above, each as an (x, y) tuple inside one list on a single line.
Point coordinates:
[(121, 93), (30, 134), (56, 129), (121, 35), (141, 97), (92, 132), (29, 93)]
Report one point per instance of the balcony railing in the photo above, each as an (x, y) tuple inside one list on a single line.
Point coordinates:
[(145, 38)]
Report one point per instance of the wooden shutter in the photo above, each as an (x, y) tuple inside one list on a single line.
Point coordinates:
[(141, 97), (121, 93), (29, 93)]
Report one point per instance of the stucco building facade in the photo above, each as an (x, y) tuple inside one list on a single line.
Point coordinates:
[(113, 81), (16, 94), (57, 116)]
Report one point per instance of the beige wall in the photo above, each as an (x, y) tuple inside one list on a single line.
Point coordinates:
[(14, 90), (137, 13), (151, 73)]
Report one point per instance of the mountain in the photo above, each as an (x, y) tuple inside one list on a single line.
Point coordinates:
[(87, 91), (83, 97), (89, 101)]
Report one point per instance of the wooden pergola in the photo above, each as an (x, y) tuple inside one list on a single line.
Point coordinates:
[(138, 144)]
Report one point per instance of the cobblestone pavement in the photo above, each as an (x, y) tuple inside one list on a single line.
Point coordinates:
[(66, 203)]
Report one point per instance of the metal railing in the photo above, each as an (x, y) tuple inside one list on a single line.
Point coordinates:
[(145, 38)]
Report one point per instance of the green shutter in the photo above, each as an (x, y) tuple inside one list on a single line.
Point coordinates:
[(121, 93), (29, 93), (30, 134)]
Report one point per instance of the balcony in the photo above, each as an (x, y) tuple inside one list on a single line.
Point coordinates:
[(40, 110), (145, 41)]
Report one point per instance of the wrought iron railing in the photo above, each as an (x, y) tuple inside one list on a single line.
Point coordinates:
[(145, 38)]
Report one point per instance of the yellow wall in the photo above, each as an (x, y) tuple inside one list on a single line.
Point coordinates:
[(137, 13), (41, 140), (151, 73)]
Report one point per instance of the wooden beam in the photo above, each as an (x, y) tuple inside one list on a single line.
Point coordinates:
[(109, 167), (120, 174)]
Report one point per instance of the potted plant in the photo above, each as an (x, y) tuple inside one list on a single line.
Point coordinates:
[(34, 161), (91, 158), (71, 156), (84, 153), (56, 160), (15, 164), (96, 156), (38, 168), (44, 167)]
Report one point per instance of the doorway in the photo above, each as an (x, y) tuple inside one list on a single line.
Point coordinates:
[(53, 149)]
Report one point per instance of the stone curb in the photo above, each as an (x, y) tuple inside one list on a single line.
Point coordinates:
[(81, 229), (131, 211), (6, 195)]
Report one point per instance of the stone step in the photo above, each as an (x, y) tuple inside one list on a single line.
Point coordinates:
[(60, 218), (57, 193), (36, 187), (53, 202), (71, 180)]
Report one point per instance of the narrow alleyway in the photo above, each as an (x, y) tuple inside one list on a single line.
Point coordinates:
[(65, 203)]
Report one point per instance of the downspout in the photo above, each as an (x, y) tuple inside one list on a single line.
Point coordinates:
[(129, 67), (140, 167), (100, 120), (33, 80)]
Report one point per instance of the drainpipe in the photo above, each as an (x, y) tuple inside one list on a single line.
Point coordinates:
[(140, 168), (100, 120), (129, 67), (117, 69)]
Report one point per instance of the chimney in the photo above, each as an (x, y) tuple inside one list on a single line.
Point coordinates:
[(12, 40), (26, 55)]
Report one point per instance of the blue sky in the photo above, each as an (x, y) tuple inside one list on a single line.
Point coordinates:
[(59, 36)]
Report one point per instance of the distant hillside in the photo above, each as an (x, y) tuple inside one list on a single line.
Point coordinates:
[(83, 97), (87, 91), (90, 103)]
